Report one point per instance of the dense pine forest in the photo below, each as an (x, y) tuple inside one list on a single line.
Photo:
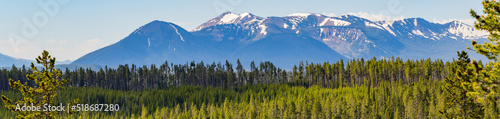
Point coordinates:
[(379, 88), (328, 75)]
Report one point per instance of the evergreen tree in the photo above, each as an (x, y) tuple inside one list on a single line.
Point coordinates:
[(240, 72), (487, 85), (43, 93), (316, 110), (457, 103)]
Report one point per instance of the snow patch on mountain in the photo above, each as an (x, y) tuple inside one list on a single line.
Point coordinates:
[(149, 43), (229, 18), (334, 22), (245, 14), (388, 27), (233, 18), (376, 17), (466, 21), (300, 14), (372, 25), (295, 20), (176, 31), (263, 29), (465, 31), (418, 32)]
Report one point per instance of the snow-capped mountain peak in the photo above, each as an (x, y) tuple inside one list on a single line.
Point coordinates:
[(303, 14), (227, 18), (350, 35), (299, 36), (430, 30), (230, 18), (155, 26), (465, 31), (245, 14)]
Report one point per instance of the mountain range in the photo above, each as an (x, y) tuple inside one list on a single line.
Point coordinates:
[(287, 40), (8, 61)]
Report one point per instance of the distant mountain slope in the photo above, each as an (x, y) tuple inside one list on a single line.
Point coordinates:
[(158, 41), (286, 50), (7, 61), (152, 43)]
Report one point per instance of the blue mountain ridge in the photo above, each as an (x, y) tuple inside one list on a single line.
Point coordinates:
[(286, 41), (157, 42)]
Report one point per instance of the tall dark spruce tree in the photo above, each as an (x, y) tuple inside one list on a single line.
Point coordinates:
[(457, 103)]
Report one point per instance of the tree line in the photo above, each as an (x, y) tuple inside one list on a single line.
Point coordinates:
[(332, 75)]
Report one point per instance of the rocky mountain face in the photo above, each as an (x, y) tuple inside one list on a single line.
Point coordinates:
[(349, 35)]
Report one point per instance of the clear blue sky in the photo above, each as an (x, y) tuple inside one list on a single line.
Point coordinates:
[(82, 26)]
